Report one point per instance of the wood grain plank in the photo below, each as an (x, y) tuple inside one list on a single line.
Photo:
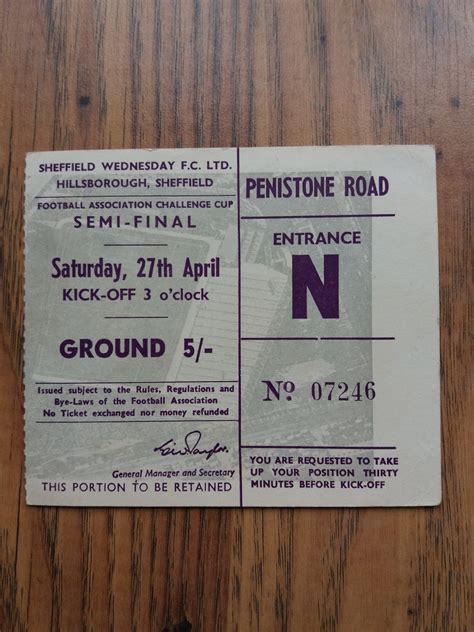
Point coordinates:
[(106, 73)]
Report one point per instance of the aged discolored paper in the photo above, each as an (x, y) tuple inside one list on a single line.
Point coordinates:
[(225, 327)]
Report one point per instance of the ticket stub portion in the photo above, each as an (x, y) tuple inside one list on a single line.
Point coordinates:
[(232, 327)]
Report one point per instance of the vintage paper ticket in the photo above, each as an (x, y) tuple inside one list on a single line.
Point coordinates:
[(225, 327)]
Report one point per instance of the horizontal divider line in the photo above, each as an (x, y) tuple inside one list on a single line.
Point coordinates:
[(326, 338), (128, 317), (274, 338), (321, 447), (132, 421), (132, 195), (135, 244), (317, 216), (140, 382), (358, 338)]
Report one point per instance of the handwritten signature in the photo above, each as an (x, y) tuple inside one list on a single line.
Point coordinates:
[(191, 442)]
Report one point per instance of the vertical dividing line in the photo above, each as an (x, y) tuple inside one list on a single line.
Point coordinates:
[(239, 320)]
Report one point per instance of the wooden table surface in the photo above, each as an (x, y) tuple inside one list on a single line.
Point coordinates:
[(146, 73)]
